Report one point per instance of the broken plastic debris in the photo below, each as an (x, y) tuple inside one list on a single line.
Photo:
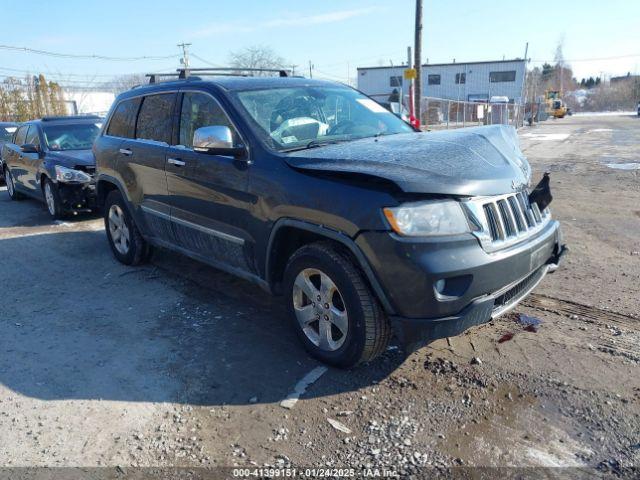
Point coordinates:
[(302, 386), (339, 426), (530, 324)]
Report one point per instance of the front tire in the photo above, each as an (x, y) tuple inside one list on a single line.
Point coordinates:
[(123, 235), (333, 310), (53, 200)]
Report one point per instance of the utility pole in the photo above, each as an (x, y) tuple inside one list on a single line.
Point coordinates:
[(410, 89), (185, 54), (523, 94), (417, 93)]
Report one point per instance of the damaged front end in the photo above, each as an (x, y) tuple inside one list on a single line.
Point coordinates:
[(520, 245), (76, 188)]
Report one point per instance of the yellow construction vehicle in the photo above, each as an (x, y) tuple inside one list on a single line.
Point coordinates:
[(555, 106)]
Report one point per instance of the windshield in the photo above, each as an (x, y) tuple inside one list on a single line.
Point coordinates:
[(299, 117), (79, 136), (6, 133)]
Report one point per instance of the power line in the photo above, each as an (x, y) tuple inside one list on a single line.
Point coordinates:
[(78, 56), (204, 61), (329, 75), (78, 75), (354, 60), (594, 59)]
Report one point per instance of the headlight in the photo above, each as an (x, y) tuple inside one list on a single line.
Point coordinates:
[(69, 175), (438, 217)]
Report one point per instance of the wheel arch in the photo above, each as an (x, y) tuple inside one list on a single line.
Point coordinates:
[(287, 235), (105, 185)]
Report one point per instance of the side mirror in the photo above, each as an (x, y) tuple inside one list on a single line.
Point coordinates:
[(216, 140), (30, 148)]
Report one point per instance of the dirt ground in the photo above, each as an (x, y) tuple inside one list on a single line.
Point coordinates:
[(177, 364)]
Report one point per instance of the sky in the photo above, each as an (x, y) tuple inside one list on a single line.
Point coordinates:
[(335, 36)]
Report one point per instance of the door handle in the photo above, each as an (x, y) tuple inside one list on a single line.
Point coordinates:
[(176, 161), (126, 151)]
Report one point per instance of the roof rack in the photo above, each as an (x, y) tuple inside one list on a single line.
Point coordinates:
[(52, 118), (185, 73), (155, 77)]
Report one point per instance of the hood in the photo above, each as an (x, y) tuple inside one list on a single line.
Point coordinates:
[(465, 162), (70, 158)]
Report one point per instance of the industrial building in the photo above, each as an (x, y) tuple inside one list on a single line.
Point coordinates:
[(471, 81)]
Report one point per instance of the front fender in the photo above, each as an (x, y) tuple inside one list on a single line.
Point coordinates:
[(330, 234)]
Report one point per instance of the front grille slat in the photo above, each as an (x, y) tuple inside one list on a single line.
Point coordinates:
[(523, 200), (491, 221), (517, 214), (507, 219)]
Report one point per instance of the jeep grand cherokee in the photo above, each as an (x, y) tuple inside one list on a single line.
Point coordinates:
[(313, 191)]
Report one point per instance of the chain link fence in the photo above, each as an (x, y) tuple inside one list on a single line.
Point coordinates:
[(440, 113)]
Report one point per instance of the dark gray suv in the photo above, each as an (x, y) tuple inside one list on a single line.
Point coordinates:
[(315, 192)]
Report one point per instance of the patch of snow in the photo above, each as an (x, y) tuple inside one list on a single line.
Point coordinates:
[(603, 114), (624, 166), (558, 137)]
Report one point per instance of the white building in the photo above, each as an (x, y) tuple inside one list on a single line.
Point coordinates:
[(79, 102), (472, 81)]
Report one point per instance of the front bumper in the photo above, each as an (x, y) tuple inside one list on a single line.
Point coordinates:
[(413, 333), (481, 285), (77, 197)]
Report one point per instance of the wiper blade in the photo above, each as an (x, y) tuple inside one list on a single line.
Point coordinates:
[(320, 143), (315, 144)]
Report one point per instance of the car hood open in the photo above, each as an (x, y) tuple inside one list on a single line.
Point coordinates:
[(464, 162)]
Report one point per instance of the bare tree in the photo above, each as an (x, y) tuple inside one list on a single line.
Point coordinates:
[(256, 57), (612, 96), (126, 82)]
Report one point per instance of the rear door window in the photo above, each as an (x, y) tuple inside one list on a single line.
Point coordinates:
[(155, 119), (21, 135), (123, 120)]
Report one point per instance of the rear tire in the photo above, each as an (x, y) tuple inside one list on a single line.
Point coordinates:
[(320, 279), (11, 186), (123, 235)]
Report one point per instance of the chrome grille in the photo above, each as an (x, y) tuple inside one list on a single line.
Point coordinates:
[(505, 220)]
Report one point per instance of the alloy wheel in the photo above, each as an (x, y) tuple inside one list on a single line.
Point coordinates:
[(118, 230), (51, 201), (320, 309), (9, 181)]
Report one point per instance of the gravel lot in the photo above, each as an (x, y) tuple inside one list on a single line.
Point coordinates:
[(177, 364)]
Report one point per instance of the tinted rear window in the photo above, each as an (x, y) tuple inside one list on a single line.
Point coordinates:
[(156, 117), (123, 120), (6, 133)]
